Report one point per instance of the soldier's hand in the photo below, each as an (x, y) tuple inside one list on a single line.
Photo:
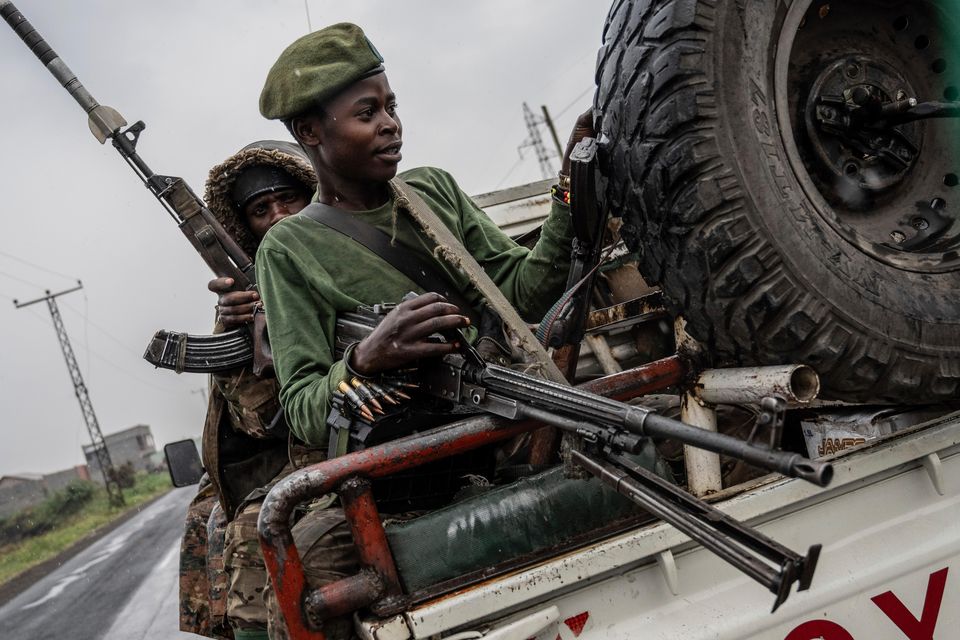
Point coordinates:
[(234, 308), (582, 129), (401, 337)]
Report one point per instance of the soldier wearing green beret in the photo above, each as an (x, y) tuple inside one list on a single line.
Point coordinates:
[(330, 89)]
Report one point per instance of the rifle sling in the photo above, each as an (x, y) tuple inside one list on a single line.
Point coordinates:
[(451, 250), (403, 260)]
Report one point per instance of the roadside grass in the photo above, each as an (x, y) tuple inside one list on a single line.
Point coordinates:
[(18, 557)]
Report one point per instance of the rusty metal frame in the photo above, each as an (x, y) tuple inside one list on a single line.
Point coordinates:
[(304, 608)]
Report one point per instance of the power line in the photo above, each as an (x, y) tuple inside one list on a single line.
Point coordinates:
[(509, 172), (573, 102), (114, 365), (564, 71), (36, 266), (131, 374), (103, 331), (21, 280)]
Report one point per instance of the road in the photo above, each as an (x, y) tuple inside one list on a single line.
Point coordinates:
[(122, 587)]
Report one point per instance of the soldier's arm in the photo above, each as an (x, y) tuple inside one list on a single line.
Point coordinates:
[(301, 323)]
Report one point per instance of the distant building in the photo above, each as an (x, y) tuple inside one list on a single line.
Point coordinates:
[(21, 490), (134, 445)]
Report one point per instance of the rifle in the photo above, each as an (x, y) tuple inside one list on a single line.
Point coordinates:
[(217, 248), (610, 429), (563, 326)]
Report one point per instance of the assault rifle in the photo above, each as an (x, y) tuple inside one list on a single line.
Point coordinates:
[(217, 248), (610, 429)]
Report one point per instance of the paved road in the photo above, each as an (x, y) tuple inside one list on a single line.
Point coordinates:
[(122, 587)]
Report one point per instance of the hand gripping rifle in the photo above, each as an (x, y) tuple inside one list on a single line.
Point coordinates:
[(610, 430), (220, 251)]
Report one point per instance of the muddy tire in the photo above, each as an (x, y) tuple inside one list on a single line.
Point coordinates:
[(726, 179)]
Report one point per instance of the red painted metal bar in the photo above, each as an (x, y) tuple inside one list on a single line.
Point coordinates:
[(648, 378), (368, 534), (281, 555), (340, 598)]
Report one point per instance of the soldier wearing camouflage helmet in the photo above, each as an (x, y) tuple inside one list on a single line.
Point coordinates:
[(244, 447)]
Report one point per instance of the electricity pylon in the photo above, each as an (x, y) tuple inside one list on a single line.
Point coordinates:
[(114, 493), (535, 140)]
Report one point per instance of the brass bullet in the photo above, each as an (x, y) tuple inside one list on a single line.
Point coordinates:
[(366, 395), (382, 393), (355, 400), (400, 394)]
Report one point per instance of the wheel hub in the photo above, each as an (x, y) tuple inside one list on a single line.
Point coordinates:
[(871, 89), (851, 147)]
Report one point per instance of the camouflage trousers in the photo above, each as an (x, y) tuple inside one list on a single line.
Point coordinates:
[(217, 577), (243, 559), (201, 570), (246, 572), (194, 583)]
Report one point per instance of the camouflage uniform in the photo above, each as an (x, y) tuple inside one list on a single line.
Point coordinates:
[(216, 576), (194, 583), (239, 452)]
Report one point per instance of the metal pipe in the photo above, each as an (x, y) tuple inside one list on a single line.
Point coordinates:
[(343, 597), (703, 467), (701, 464), (369, 537), (796, 383), (598, 344)]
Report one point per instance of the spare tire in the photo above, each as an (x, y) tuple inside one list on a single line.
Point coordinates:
[(753, 153)]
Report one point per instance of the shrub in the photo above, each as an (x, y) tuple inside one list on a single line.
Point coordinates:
[(46, 515), (124, 475), (70, 500)]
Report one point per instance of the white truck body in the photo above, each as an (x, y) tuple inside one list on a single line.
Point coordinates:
[(890, 528)]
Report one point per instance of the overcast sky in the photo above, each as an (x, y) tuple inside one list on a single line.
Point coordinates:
[(193, 71)]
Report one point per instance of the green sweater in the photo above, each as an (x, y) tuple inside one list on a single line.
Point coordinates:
[(308, 273)]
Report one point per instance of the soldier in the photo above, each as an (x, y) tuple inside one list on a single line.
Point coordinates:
[(244, 442), (330, 90)]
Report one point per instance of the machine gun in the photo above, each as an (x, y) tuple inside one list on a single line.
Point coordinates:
[(611, 430), (217, 248)]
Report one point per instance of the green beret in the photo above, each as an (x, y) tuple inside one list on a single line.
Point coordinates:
[(317, 67)]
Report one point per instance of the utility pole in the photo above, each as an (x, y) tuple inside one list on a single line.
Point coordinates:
[(114, 492), (547, 120), (536, 141)]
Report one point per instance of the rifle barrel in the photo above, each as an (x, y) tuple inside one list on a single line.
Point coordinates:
[(789, 464), (174, 195), (32, 38), (589, 408)]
